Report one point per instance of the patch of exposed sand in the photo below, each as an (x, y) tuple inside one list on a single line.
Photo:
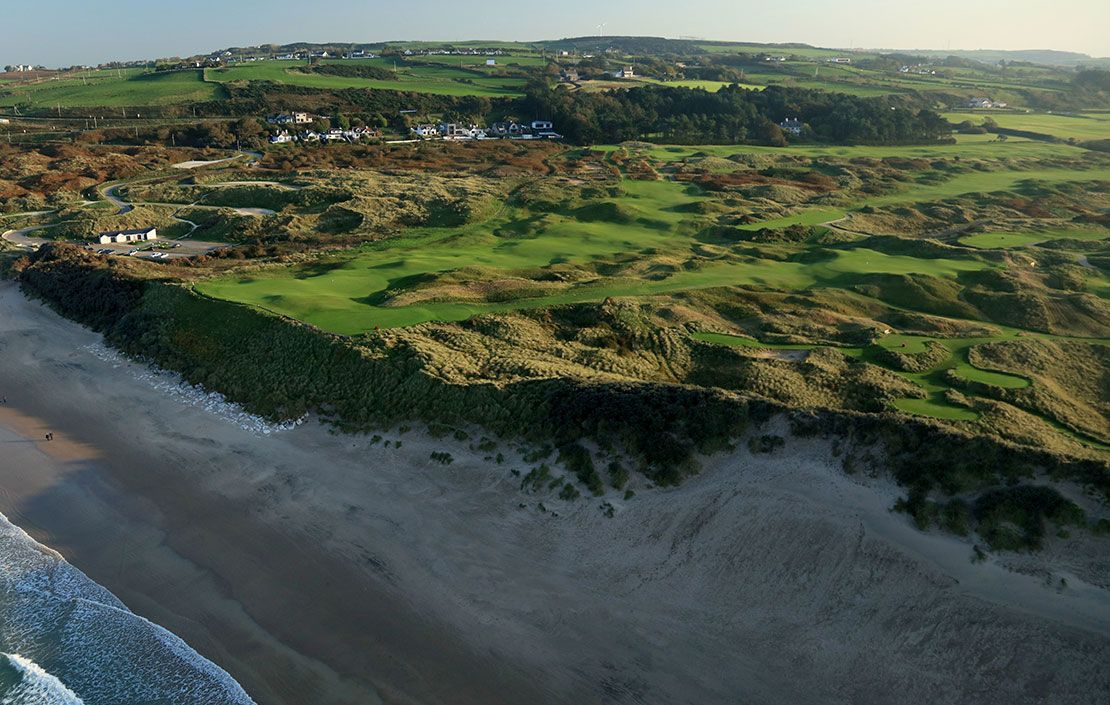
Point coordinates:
[(330, 569)]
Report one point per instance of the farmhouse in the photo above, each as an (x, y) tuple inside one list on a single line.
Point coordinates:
[(569, 76), (839, 60), (111, 236), (290, 119), (985, 103), (626, 72), (791, 125), (491, 62)]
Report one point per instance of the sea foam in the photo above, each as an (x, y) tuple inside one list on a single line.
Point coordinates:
[(34, 686), (73, 630), (173, 386)]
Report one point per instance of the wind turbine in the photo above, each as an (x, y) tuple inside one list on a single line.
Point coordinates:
[(601, 29)]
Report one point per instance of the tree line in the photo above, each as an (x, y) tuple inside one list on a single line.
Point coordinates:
[(732, 115)]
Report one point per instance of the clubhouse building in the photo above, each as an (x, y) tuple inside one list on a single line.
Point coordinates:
[(128, 236)]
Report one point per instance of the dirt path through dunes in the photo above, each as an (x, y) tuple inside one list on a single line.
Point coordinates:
[(330, 569)]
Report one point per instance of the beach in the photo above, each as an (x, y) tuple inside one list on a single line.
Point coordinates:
[(325, 568)]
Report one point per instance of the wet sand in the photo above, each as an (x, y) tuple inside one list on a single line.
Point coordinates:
[(326, 569)]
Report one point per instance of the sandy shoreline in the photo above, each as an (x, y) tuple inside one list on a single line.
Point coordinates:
[(321, 568)]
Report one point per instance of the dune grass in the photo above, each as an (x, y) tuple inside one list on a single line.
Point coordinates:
[(966, 147), (344, 293), (931, 381)]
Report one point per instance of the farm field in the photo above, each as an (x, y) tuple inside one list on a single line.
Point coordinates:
[(435, 80), (110, 88), (1095, 126)]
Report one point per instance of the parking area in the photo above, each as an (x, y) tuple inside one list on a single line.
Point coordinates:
[(159, 249)]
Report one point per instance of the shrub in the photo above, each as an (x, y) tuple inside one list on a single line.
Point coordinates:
[(569, 492), (1013, 518), (766, 443), (578, 460)]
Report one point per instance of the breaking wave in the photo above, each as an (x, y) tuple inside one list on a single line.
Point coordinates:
[(23, 682), (67, 640)]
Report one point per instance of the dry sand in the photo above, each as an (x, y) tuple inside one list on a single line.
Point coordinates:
[(324, 569)]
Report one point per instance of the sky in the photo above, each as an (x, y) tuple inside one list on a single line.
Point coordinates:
[(67, 32)]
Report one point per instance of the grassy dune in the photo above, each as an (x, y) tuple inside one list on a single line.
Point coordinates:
[(966, 146), (1007, 240), (344, 294), (348, 293)]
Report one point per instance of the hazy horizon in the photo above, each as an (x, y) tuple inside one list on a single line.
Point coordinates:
[(65, 32)]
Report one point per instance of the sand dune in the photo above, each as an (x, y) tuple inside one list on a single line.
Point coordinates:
[(324, 568)]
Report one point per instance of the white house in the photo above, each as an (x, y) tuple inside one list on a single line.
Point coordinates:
[(791, 125), (626, 72), (491, 62), (984, 103), (128, 236)]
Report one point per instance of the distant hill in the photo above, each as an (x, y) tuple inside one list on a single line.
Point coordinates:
[(1050, 57)]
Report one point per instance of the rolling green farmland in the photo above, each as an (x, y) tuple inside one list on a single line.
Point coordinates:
[(1079, 127), (114, 89), (420, 79)]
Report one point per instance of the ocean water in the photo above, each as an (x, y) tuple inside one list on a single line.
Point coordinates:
[(65, 640)]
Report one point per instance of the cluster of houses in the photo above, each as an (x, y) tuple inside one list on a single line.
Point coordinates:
[(839, 60), (453, 52), (537, 130), (919, 69), (985, 103), (354, 134), (19, 68), (625, 72), (140, 235)]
